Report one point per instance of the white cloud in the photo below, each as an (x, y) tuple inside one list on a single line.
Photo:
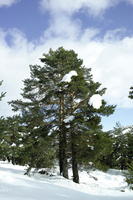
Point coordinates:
[(113, 67), (111, 59), (69, 7), (111, 63), (94, 7), (7, 2), (62, 26), (130, 1), (115, 34), (14, 65)]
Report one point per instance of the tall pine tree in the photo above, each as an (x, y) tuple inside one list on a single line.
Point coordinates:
[(60, 91)]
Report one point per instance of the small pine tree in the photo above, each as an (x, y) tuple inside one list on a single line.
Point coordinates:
[(3, 146), (12, 139), (122, 153), (2, 93), (131, 93)]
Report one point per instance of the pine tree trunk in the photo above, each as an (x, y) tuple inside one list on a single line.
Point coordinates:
[(74, 158), (63, 142), (60, 154), (64, 152)]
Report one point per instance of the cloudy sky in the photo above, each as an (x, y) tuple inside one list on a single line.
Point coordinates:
[(100, 31)]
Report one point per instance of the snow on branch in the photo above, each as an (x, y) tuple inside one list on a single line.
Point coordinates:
[(68, 119), (77, 100), (68, 77), (96, 101), (126, 130), (52, 130)]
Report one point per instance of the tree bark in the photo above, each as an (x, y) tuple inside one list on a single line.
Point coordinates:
[(62, 142), (74, 158), (64, 153), (74, 150), (60, 154)]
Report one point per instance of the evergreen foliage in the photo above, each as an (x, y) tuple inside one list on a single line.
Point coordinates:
[(22, 146), (131, 93), (122, 154), (11, 144), (2, 93), (2, 130), (3, 145), (95, 150)]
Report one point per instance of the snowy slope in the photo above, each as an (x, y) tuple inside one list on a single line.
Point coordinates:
[(16, 186)]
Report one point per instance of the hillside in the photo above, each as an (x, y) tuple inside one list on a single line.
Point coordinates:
[(94, 186)]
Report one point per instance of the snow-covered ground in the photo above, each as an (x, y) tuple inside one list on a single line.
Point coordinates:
[(96, 185)]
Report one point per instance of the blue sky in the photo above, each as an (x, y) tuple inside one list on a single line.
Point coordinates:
[(100, 31), (28, 18)]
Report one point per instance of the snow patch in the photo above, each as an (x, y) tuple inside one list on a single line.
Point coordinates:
[(13, 145), (127, 130), (94, 185), (91, 147), (68, 77), (52, 129), (21, 145), (77, 100), (96, 101)]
